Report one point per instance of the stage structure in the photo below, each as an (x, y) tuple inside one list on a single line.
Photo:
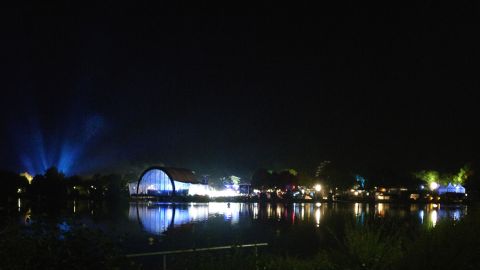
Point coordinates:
[(166, 181)]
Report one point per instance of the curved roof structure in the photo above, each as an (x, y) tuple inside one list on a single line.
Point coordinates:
[(165, 181), (179, 174), (176, 174)]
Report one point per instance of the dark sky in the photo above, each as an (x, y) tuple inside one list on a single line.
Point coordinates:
[(229, 89)]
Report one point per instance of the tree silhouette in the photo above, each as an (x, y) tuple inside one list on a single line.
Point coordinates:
[(52, 185)]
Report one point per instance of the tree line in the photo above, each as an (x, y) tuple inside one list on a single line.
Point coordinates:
[(334, 176), (54, 185)]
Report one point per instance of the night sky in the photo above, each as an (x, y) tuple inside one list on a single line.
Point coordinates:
[(228, 89)]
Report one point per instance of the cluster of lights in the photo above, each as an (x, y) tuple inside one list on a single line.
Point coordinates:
[(213, 193), (201, 190)]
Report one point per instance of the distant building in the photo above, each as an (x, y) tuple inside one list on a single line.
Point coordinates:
[(165, 181)]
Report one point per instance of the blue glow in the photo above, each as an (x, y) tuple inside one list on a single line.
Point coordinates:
[(38, 140), (40, 148), (451, 189), (27, 164), (68, 155), (92, 126)]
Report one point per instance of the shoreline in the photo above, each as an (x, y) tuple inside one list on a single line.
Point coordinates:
[(262, 201)]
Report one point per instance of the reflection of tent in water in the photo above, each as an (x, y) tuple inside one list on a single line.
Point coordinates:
[(153, 220), (451, 189), (450, 213), (156, 219)]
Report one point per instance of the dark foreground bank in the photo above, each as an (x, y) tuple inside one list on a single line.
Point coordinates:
[(379, 244)]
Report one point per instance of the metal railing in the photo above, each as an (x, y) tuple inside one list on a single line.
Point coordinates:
[(169, 252)]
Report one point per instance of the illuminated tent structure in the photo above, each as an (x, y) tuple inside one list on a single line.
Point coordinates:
[(459, 189), (165, 181)]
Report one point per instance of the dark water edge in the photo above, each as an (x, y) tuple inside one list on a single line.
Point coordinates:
[(308, 235)]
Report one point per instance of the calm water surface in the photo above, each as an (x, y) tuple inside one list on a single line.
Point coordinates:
[(140, 227)]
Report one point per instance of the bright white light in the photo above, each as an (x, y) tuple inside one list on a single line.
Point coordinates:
[(229, 211), (317, 217), (433, 185), (357, 209), (198, 189), (433, 217), (318, 187), (222, 193), (381, 210), (255, 211)]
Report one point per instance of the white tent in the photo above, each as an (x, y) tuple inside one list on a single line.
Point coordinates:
[(451, 189)]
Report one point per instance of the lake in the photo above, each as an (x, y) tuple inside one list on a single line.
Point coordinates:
[(141, 227)]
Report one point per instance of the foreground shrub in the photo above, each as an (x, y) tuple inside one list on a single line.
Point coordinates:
[(43, 247), (450, 245)]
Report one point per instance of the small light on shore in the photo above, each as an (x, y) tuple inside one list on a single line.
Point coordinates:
[(28, 176)]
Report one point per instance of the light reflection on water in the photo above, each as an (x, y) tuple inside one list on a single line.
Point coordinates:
[(158, 218), (433, 217)]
